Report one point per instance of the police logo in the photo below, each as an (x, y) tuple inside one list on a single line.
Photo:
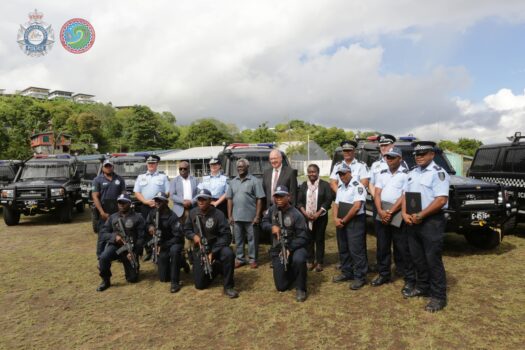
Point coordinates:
[(128, 223), (441, 176), (210, 223), (35, 37), (117, 182), (360, 190), (287, 221)]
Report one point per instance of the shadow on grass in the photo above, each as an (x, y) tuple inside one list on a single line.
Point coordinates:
[(52, 218), (456, 245)]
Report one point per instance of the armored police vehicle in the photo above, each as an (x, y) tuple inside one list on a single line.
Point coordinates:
[(44, 184), (8, 170), (127, 165), (477, 209), (504, 164)]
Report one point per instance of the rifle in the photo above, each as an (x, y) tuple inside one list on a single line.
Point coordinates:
[(283, 240), (204, 249), (156, 238), (128, 245)]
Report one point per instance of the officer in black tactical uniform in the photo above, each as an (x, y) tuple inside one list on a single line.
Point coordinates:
[(425, 197), (292, 267), (170, 242), (208, 228), (133, 225)]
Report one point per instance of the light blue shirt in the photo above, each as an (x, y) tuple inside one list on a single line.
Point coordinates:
[(149, 184), (431, 182), (354, 192), (217, 185), (359, 171), (377, 167), (391, 185)]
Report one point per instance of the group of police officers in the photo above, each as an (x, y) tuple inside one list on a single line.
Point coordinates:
[(408, 214)]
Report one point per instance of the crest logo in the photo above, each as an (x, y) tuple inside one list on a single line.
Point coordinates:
[(35, 37), (210, 223), (77, 35)]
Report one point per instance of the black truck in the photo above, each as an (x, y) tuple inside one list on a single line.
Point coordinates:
[(44, 184), (8, 171), (477, 209), (504, 164)]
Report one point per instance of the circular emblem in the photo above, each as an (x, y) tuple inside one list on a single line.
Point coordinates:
[(287, 221), (117, 182), (128, 223), (209, 223), (35, 37), (77, 35)]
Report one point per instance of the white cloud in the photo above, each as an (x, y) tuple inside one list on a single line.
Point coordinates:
[(240, 61)]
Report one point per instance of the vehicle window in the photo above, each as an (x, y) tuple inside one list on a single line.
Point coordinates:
[(485, 159), (130, 168), (45, 171), (515, 160), (91, 170), (6, 174)]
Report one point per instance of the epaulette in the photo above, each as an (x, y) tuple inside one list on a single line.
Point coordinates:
[(437, 167), (405, 171), (355, 183), (383, 171), (414, 167)]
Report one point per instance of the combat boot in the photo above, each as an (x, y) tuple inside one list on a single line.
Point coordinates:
[(104, 285)]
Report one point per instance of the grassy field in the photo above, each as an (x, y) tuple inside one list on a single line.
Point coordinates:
[(48, 300)]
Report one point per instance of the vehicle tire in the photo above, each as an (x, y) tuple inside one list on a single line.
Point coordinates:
[(11, 216), (80, 207), (94, 220), (66, 211), (483, 237)]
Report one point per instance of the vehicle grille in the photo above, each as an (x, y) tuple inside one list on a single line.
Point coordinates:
[(478, 198), (31, 193)]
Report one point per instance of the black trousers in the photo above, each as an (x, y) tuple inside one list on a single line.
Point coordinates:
[(351, 240), (101, 242), (296, 271), (223, 263), (317, 238), (386, 235), (110, 254), (144, 210), (426, 245), (170, 263)]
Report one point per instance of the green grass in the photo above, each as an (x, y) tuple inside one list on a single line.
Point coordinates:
[(48, 300)]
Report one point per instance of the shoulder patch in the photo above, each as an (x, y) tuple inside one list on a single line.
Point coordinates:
[(437, 167), (383, 171), (441, 175), (360, 190)]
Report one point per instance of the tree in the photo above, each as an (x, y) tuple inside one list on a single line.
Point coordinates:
[(203, 132), (329, 138), (263, 134)]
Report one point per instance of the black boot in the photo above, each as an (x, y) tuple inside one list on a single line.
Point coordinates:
[(104, 285)]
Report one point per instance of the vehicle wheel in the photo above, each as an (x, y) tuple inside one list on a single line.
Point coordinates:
[(94, 220), (483, 237), (11, 216), (66, 211), (80, 207)]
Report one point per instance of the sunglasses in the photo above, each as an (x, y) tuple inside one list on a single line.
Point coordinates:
[(390, 157), (181, 169)]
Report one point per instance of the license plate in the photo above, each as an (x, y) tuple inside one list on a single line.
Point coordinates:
[(30, 203), (480, 215)]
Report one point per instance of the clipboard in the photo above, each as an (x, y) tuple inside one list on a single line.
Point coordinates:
[(413, 202), (397, 219), (343, 209)]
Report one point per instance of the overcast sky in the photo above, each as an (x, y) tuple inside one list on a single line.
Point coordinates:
[(438, 69)]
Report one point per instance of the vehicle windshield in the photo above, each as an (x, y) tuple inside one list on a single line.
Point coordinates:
[(258, 163), (6, 173), (130, 169), (45, 171)]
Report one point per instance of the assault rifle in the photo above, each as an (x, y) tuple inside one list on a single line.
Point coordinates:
[(283, 240), (154, 242), (128, 245), (204, 248)]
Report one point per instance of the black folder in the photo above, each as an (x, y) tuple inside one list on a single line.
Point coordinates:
[(396, 219), (344, 208), (413, 202)]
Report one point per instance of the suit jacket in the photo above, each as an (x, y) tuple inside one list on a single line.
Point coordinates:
[(177, 193), (324, 195), (287, 177)]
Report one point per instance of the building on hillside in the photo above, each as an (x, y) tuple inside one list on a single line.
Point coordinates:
[(309, 153), (67, 95), (198, 157), (83, 98), (44, 143), (35, 92)]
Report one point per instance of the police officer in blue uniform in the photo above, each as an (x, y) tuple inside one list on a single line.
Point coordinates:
[(133, 225), (296, 246), (389, 185), (426, 227), (359, 169), (147, 186), (217, 184), (106, 188), (350, 229)]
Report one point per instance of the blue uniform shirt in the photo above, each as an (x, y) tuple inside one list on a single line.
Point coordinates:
[(377, 167), (354, 192), (217, 185), (108, 189), (392, 185), (359, 171), (149, 184), (431, 182)]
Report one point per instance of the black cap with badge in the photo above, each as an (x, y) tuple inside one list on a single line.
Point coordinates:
[(204, 193), (281, 190), (161, 196), (386, 139), (124, 197), (348, 145), (422, 147), (153, 158), (343, 169)]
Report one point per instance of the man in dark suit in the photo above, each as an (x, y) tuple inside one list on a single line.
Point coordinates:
[(314, 199), (279, 175)]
